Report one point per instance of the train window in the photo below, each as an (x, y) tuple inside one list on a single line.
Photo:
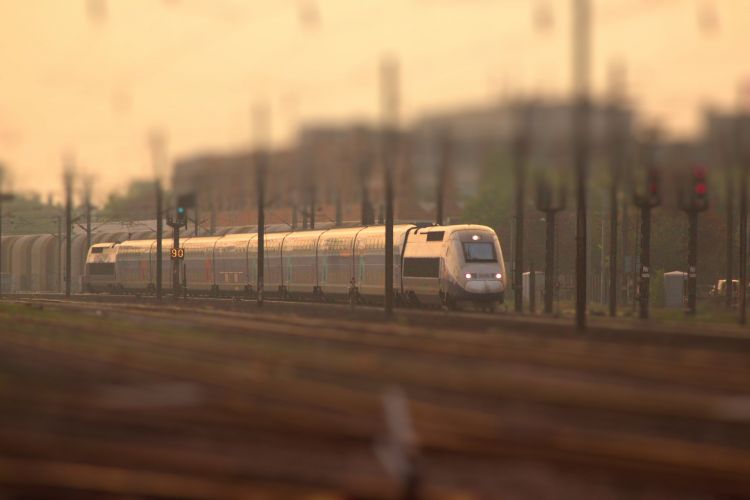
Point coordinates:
[(422, 267), (101, 268), (479, 252), (435, 236), (97, 250)]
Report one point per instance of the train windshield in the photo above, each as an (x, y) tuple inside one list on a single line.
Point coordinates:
[(479, 252)]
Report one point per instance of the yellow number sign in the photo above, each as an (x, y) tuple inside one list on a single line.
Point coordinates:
[(178, 253)]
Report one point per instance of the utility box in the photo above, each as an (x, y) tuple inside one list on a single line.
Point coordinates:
[(538, 288), (675, 289)]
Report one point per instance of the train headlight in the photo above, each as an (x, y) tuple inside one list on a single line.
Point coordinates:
[(475, 237), (468, 276), (498, 276)]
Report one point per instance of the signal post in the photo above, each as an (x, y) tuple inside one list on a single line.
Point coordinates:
[(651, 198), (742, 157), (177, 254), (693, 204)]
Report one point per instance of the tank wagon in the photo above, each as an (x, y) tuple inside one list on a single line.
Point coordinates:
[(432, 265), (35, 262)]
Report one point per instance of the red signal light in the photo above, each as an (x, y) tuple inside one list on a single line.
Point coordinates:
[(700, 189)]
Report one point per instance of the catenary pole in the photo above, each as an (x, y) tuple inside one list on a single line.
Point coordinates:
[(616, 158), (520, 155), (581, 42), (645, 276), (262, 131), (159, 237), (730, 238), (742, 158), (1, 229), (59, 254), (157, 150), (68, 181), (260, 180), (442, 174), (389, 95), (2, 195)]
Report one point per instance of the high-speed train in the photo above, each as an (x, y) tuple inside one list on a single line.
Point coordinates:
[(444, 265)]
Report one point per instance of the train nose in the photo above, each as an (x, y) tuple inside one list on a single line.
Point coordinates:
[(483, 283), (484, 286)]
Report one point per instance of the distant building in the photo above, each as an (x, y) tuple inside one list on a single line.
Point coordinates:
[(329, 166)]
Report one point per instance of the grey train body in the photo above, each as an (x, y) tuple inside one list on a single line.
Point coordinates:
[(435, 264)]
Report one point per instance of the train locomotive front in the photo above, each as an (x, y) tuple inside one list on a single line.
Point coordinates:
[(479, 268), (454, 265), (99, 272)]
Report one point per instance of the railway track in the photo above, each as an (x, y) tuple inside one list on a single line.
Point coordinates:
[(295, 401), (623, 330)]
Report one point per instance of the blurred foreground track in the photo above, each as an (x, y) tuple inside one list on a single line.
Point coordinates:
[(127, 400)]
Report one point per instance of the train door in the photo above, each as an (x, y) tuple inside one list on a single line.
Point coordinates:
[(423, 265)]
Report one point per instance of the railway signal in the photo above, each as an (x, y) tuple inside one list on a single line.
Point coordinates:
[(700, 189), (177, 253), (181, 217), (185, 201), (692, 204), (646, 200)]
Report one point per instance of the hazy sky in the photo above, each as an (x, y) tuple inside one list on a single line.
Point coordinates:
[(95, 84)]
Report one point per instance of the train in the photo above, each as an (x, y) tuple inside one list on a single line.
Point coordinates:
[(36, 262), (432, 265)]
